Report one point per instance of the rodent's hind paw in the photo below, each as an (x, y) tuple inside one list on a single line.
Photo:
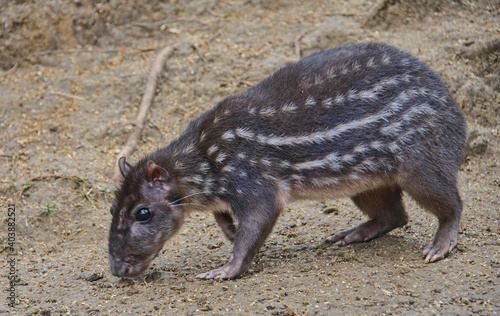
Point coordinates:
[(364, 232), (445, 240), (437, 250)]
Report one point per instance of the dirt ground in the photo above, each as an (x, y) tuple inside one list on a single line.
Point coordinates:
[(72, 74)]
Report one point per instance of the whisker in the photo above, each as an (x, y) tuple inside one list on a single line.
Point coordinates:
[(197, 204), (182, 198)]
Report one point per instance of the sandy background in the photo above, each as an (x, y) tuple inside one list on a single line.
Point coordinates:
[(72, 74)]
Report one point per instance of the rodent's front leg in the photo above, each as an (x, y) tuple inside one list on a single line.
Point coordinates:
[(253, 228)]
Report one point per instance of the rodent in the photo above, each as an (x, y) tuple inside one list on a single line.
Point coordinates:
[(364, 120)]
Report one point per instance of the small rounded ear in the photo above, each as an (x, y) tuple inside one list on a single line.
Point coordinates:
[(156, 173), (124, 166)]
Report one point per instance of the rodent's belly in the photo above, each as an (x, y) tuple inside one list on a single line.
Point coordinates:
[(337, 186)]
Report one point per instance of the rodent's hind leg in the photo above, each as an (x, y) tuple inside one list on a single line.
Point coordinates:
[(226, 222), (385, 210), (439, 196), (253, 228)]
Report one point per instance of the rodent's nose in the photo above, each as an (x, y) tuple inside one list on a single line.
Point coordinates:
[(120, 269), (126, 268)]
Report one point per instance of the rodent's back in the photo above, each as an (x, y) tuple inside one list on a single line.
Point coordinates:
[(353, 110), (331, 87)]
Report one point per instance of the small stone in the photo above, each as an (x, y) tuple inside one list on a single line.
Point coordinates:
[(205, 308), (53, 128), (95, 276), (330, 209)]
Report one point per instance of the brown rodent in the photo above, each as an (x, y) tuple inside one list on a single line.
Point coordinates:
[(363, 120)]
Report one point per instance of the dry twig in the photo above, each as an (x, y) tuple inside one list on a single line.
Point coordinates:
[(67, 95), (197, 49), (210, 40), (37, 178), (88, 50), (162, 22), (381, 5), (345, 14), (9, 71), (482, 49), (297, 44), (290, 311), (213, 13), (147, 100)]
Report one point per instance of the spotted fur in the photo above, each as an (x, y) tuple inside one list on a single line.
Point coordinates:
[(365, 120)]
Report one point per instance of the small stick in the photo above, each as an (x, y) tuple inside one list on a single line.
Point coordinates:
[(297, 44), (210, 40), (212, 13), (9, 71), (45, 177), (67, 95), (37, 178), (289, 310), (248, 83), (147, 100), (79, 51), (483, 49), (166, 21), (381, 5), (197, 49), (345, 14)]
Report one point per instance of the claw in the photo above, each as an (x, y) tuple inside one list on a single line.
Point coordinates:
[(226, 272), (214, 274), (438, 250), (362, 233)]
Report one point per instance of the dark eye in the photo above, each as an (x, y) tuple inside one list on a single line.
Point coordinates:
[(143, 215)]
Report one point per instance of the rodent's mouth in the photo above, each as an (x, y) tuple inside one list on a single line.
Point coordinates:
[(124, 269)]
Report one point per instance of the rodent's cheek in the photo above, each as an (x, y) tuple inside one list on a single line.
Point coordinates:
[(145, 236)]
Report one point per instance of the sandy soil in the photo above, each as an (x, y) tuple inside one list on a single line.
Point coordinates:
[(73, 73)]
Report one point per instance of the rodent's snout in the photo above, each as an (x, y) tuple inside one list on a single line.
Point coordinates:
[(120, 269), (124, 269)]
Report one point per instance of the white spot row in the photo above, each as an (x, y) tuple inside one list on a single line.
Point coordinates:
[(328, 102), (244, 133), (321, 136), (212, 149), (371, 63), (310, 101), (269, 111), (416, 112), (196, 179), (334, 161), (290, 107), (220, 157), (319, 163), (352, 95), (386, 60)]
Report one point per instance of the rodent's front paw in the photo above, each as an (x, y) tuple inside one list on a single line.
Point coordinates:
[(226, 272), (214, 274)]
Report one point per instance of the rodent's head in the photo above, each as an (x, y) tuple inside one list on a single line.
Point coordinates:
[(145, 215)]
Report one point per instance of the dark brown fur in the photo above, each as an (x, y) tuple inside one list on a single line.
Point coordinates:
[(362, 120)]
